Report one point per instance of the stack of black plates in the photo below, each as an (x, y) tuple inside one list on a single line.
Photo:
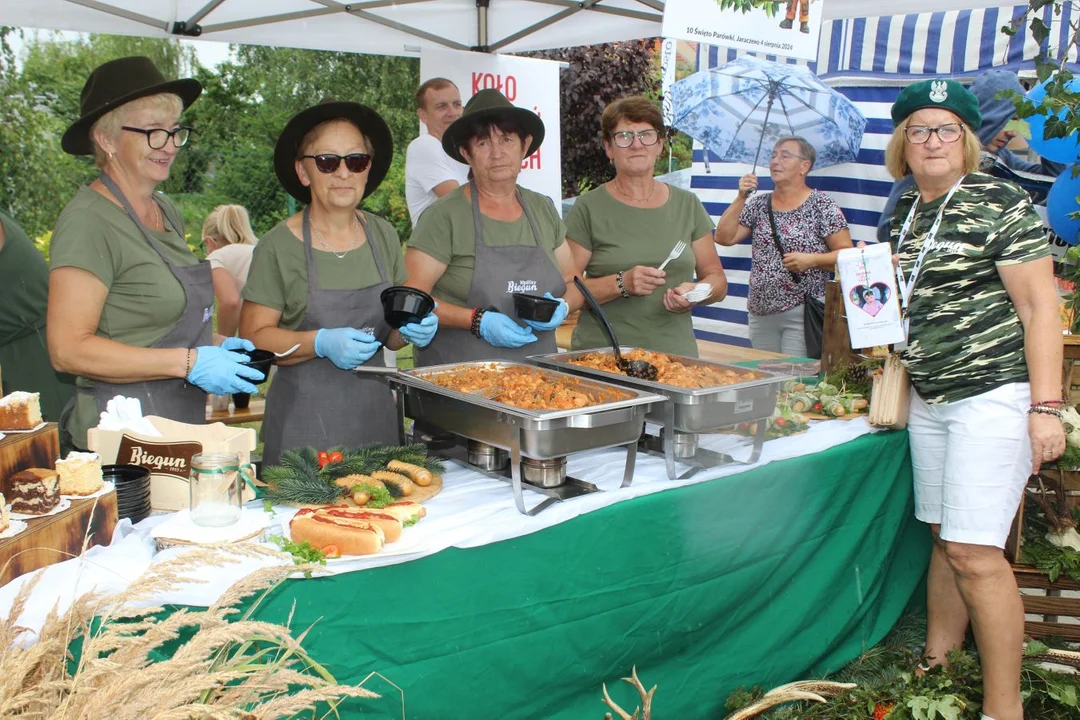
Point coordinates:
[(132, 490)]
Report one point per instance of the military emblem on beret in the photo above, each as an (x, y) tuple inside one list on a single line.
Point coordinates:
[(939, 91)]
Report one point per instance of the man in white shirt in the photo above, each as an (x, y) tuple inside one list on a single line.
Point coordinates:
[(429, 172)]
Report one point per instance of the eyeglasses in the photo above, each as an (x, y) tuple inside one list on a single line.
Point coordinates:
[(785, 156), (625, 138), (919, 134), (329, 162), (157, 137)]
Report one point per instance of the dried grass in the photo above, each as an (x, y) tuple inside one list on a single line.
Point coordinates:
[(230, 667)]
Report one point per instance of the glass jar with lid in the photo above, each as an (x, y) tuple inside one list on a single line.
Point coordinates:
[(216, 489)]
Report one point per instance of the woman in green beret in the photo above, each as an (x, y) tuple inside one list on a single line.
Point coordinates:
[(984, 356)]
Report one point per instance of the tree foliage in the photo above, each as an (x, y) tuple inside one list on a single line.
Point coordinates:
[(598, 74)]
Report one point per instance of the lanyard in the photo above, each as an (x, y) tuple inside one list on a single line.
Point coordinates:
[(907, 287)]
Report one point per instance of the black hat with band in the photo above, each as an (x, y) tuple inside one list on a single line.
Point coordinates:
[(370, 123), (117, 83), (490, 105)]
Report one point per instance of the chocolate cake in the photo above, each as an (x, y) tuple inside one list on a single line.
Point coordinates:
[(34, 492)]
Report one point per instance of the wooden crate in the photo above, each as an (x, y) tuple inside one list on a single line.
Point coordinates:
[(53, 538), (1049, 604)]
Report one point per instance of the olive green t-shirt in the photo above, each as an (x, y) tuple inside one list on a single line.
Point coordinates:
[(620, 237), (145, 299), (446, 232), (278, 276)]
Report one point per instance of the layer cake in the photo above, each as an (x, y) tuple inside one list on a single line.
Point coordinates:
[(34, 492), (5, 519)]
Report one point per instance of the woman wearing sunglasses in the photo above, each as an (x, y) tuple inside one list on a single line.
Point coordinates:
[(984, 356), (130, 306), (315, 280), (474, 248), (621, 233)]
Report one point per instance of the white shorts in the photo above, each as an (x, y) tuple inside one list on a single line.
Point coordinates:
[(972, 460)]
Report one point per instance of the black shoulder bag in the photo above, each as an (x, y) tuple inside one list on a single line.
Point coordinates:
[(813, 308)]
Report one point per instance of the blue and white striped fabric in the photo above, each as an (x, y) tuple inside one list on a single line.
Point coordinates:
[(869, 60)]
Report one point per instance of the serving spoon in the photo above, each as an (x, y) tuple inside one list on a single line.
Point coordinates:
[(641, 369)]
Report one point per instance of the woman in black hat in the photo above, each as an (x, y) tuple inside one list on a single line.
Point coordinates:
[(315, 280), (491, 238), (130, 306)]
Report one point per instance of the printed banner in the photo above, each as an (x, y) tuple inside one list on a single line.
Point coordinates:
[(770, 28), (528, 83), (668, 61)]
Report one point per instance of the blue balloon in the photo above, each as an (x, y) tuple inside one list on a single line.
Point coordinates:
[(1060, 203), (1063, 150)]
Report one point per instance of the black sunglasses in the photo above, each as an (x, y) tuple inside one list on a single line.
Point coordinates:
[(329, 162)]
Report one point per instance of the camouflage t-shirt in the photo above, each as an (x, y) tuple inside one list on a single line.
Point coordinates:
[(965, 337)]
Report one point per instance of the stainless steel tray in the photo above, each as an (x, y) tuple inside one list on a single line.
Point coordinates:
[(617, 419), (694, 410)]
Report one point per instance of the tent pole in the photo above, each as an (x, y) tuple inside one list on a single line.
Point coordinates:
[(482, 24)]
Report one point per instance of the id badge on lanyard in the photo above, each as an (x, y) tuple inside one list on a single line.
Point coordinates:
[(907, 287)]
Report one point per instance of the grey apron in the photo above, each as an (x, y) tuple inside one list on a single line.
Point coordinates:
[(174, 398), (315, 402), (499, 272)]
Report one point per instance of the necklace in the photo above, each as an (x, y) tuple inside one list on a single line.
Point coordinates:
[(326, 247), (630, 197)]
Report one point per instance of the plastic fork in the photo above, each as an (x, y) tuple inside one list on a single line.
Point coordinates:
[(675, 252)]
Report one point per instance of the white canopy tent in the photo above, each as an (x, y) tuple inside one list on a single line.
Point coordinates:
[(388, 27)]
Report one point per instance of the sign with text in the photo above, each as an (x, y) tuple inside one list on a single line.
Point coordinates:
[(527, 83), (787, 28)]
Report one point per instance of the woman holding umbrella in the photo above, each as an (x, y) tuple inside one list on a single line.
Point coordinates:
[(315, 281), (984, 342), (796, 233), (622, 232)]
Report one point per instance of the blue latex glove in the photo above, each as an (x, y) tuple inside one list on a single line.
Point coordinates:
[(237, 343), (421, 333), (218, 370), (556, 319), (345, 347), (500, 331)]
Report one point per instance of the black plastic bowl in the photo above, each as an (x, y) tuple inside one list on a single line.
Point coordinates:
[(403, 305), (534, 307), (261, 360)]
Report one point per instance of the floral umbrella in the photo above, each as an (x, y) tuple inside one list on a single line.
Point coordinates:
[(736, 109)]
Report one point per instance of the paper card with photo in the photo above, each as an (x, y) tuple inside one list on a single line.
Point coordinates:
[(789, 28), (871, 300)]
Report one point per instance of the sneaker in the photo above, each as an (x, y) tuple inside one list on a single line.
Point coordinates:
[(786, 23), (803, 27)]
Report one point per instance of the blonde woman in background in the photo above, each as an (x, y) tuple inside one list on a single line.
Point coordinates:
[(229, 242)]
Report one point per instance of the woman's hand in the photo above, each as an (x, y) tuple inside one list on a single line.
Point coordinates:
[(1047, 439), (643, 280), (674, 300), (747, 185), (798, 262)]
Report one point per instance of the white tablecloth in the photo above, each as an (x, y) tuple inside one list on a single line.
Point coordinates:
[(471, 510)]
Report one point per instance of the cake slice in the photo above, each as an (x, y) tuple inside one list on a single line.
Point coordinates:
[(5, 519), (20, 411), (34, 492), (80, 473)]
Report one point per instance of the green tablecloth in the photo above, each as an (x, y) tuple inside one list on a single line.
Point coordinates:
[(759, 578)]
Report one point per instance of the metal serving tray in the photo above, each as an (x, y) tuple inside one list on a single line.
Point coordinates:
[(695, 410), (540, 434)]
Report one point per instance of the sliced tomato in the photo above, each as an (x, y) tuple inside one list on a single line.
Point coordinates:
[(780, 422), (336, 457), (331, 551)]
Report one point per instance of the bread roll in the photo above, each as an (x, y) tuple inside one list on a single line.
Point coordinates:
[(406, 511), (350, 535), (388, 522)]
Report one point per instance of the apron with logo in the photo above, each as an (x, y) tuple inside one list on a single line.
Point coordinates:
[(498, 272), (315, 402), (174, 398)]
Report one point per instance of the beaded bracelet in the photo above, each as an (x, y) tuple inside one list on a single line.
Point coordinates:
[(187, 366), (619, 283), (477, 316), (1044, 410), (1048, 402)]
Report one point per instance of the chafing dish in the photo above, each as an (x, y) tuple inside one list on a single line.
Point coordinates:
[(689, 410), (539, 435)]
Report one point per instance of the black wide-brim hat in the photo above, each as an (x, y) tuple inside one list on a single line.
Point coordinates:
[(488, 105), (117, 83), (371, 124)]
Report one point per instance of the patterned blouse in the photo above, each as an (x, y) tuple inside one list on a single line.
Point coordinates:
[(803, 229)]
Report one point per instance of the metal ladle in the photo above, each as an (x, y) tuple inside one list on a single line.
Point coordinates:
[(640, 369)]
